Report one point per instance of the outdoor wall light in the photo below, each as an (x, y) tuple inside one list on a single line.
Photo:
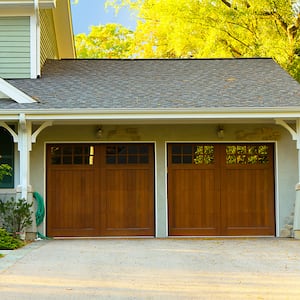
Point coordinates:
[(220, 131), (99, 132)]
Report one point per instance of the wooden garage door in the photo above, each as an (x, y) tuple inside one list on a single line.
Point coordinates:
[(221, 189), (100, 190)]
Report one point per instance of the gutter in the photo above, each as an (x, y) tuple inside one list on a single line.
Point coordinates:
[(155, 114)]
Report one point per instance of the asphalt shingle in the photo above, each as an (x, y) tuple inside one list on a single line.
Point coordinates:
[(159, 84)]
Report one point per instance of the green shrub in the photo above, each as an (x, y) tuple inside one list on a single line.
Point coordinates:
[(8, 242), (15, 215)]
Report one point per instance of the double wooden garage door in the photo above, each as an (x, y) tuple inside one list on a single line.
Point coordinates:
[(221, 189), (100, 190), (108, 189)]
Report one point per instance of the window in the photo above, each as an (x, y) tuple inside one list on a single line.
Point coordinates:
[(197, 154), (72, 155), (7, 156), (127, 154), (247, 154)]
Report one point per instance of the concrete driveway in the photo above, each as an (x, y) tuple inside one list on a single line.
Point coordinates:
[(258, 268)]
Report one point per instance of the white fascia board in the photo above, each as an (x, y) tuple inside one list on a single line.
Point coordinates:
[(43, 4), (13, 93), (154, 116)]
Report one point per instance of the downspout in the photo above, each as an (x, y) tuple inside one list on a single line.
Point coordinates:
[(35, 36), (296, 137), (38, 38)]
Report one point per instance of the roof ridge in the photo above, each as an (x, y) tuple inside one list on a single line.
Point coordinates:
[(163, 59)]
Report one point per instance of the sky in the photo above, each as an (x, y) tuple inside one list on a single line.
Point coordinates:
[(93, 12)]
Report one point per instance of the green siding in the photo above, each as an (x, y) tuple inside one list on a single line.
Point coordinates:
[(15, 47), (48, 38)]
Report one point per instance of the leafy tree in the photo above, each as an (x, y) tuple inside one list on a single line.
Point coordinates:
[(217, 28), (5, 170), (105, 41)]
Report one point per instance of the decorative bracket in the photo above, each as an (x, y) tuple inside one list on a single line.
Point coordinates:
[(33, 136), (11, 131), (39, 130), (295, 133)]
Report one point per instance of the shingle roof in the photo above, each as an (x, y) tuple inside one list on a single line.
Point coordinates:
[(159, 84)]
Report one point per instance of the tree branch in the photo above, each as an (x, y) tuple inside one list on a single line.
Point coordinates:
[(292, 29), (277, 17), (227, 3), (232, 49)]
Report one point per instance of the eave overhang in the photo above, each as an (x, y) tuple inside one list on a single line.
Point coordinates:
[(161, 116), (64, 30)]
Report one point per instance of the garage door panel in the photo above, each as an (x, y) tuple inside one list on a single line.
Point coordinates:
[(129, 206), (247, 202), (193, 194), (71, 213), (229, 192)]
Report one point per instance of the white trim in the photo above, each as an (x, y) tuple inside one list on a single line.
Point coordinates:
[(44, 223), (152, 116), (33, 46), (155, 190), (14, 94), (276, 190), (46, 4), (166, 188)]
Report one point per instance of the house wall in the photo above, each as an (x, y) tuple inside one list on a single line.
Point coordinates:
[(48, 40), (285, 155), (15, 47)]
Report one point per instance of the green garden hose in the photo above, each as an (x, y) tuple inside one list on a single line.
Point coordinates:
[(40, 212)]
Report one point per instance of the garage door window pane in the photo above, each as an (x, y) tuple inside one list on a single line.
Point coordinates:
[(132, 150), (193, 154), (247, 154), (204, 154), (187, 149), (67, 160), (132, 159), (127, 154), (144, 159), (72, 155), (56, 155), (187, 159), (122, 159)]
